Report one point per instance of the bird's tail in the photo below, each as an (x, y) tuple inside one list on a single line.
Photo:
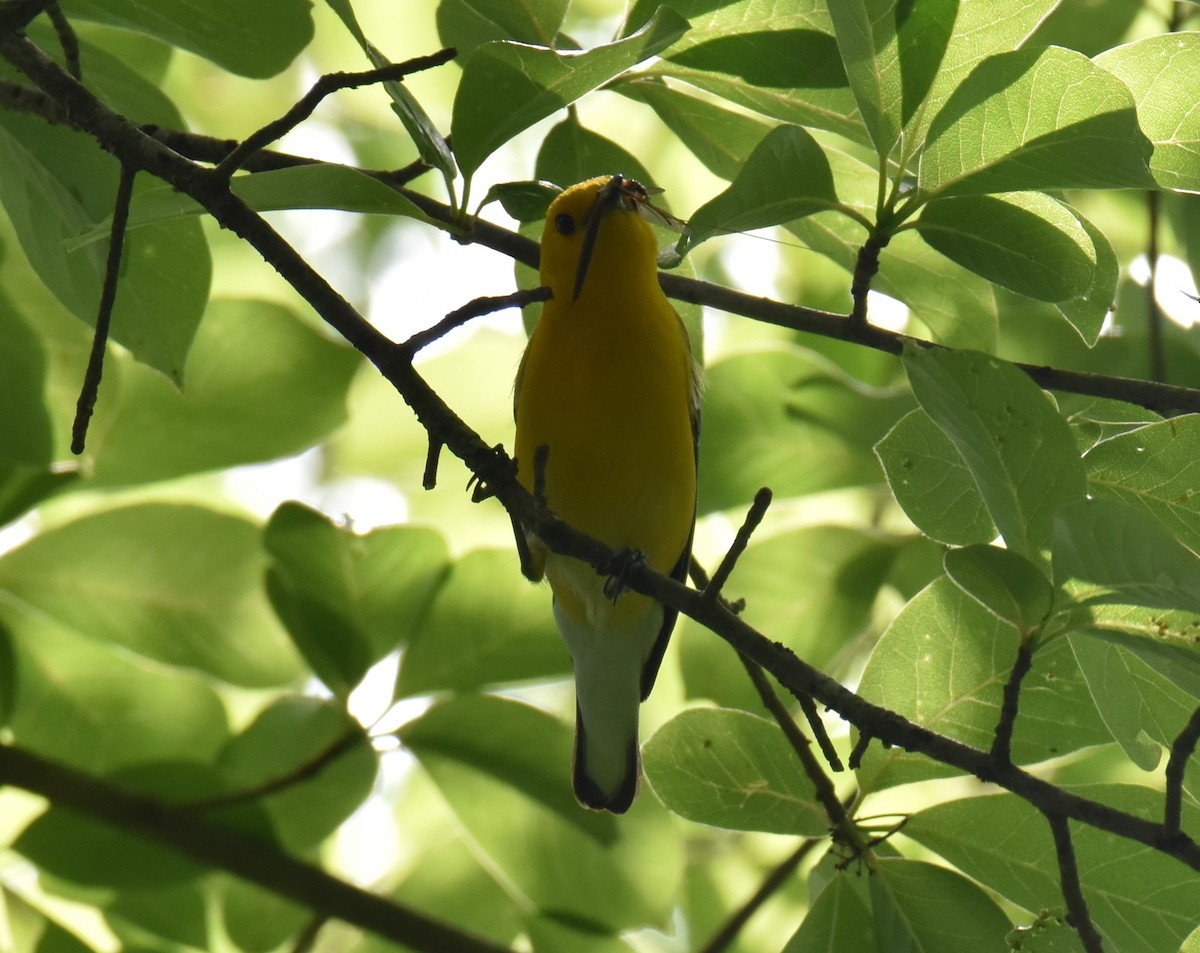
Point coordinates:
[(608, 661), (607, 765)]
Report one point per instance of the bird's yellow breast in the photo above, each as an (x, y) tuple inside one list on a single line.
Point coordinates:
[(607, 383)]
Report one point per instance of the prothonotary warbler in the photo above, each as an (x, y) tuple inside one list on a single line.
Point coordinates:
[(608, 384)]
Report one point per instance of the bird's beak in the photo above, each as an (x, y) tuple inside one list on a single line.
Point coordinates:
[(608, 199)]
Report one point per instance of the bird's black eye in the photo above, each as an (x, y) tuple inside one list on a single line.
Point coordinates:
[(564, 223)]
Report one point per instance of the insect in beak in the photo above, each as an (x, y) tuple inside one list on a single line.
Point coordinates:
[(607, 199)]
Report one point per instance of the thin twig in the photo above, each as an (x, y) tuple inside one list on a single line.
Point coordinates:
[(66, 38), (1072, 891), (1002, 739), (778, 876), (324, 86), (817, 726), (754, 516), (108, 296), (475, 308), (432, 456), (304, 772), (866, 267), (839, 819), (1181, 752), (860, 749)]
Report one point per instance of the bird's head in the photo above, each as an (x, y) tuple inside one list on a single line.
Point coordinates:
[(599, 228)]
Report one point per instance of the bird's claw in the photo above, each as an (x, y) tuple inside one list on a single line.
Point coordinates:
[(618, 570)]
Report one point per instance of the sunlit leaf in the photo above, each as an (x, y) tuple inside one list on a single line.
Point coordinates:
[(731, 769), (178, 584), (1142, 899), (891, 52), (507, 87), (1109, 552), (932, 483), (255, 39), (1036, 119), (1025, 241), (1163, 73), (1016, 445), (785, 178), (503, 769)]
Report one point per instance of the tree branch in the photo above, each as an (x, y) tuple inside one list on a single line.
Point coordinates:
[(254, 859), (108, 297), (1068, 872), (1153, 395)]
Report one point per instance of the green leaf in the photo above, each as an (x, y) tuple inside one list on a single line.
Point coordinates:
[(891, 52), (1109, 552), (981, 29), (316, 186), (430, 143), (1099, 419), (1087, 312), (1006, 584), (957, 306), (571, 153), (1018, 448), (176, 913), (506, 87), (177, 584), (525, 201), (1141, 899), (931, 482), (943, 663), (261, 385), (28, 438), (258, 920), (23, 488), (483, 628), (257, 39), (1035, 120), (466, 24), (1025, 241), (100, 708), (785, 178), (503, 769), (921, 906), (1156, 469), (720, 138), (765, 410), (734, 770), (1165, 641), (8, 675), (324, 753), (32, 930), (349, 599), (838, 922), (782, 62), (1163, 73), (1143, 710), (813, 588), (55, 185)]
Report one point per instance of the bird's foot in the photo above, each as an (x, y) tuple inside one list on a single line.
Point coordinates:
[(618, 569)]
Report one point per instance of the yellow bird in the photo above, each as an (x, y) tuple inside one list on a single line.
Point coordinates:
[(609, 386)]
